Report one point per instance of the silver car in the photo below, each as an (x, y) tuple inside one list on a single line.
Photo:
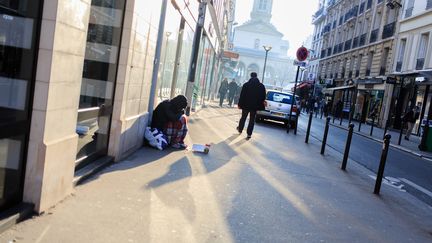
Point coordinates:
[(277, 108)]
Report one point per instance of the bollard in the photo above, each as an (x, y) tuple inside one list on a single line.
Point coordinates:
[(296, 125), (341, 119), (334, 118), (380, 173), (308, 128), (372, 127), (359, 125), (347, 146), (327, 125), (321, 114), (401, 133)]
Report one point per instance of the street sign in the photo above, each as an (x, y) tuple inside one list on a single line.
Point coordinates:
[(301, 64), (302, 53)]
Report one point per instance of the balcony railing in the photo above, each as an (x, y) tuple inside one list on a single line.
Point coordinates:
[(409, 12), (357, 73), (347, 45), (420, 63), (398, 66), (362, 41), (355, 42), (369, 4), (388, 30), (374, 36), (429, 4), (362, 8), (368, 71), (382, 71)]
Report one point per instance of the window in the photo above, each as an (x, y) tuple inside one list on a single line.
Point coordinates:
[(359, 60), (384, 61), (262, 4), (409, 8), (424, 39), (369, 63), (257, 43), (401, 53)]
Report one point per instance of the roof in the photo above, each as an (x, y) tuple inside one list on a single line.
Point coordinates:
[(259, 26)]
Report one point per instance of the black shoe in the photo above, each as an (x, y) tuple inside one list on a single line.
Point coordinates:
[(406, 138), (248, 137), (238, 130)]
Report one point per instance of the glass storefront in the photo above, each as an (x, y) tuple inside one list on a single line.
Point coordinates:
[(19, 31), (99, 77)]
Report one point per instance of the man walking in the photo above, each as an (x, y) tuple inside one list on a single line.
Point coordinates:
[(222, 91), (252, 98), (410, 118), (232, 89)]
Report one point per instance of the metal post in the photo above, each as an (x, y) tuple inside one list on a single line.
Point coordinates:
[(156, 60), (294, 100), (167, 34), (177, 58), (309, 127), (380, 173), (341, 118), (327, 125), (265, 64), (296, 124), (386, 128), (423, 145), (360, 122), (347, 146), (401, 133), (372, 127)]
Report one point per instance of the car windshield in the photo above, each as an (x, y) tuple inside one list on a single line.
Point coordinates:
[(279, 97)]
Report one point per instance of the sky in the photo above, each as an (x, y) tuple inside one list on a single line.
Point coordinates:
[(291, 17)]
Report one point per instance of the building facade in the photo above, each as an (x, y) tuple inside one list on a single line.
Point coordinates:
[(77, 79), (356, 40), (249, 39), (412, 67)]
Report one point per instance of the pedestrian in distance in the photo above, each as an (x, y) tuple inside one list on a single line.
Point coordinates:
[(223, 89), (410, 119), (232, 90), (252, 99)]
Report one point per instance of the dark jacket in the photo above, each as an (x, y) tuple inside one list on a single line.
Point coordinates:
[(223, 87), (168, 111), (252, 96), (411, 116), (232, 87)]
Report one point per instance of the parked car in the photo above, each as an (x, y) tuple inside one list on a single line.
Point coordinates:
[(277, 108)]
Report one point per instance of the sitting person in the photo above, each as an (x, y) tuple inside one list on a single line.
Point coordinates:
[(169, 118)]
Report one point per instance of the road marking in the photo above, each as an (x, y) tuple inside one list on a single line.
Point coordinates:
[(392, 182), (425, 191)]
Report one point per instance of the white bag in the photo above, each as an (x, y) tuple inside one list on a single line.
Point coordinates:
[(156, 138)]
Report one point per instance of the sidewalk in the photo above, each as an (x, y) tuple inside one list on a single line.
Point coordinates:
[(272, 188), (410, 146)]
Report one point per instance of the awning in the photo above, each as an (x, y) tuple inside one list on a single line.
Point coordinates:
[(341, 88), (370, 81)]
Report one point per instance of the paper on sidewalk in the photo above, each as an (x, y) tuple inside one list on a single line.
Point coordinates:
[(200, 148)]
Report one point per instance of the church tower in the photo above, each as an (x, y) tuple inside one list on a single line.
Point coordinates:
[(262, 10)]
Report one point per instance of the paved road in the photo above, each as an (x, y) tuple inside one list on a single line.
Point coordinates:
[(413, 172)]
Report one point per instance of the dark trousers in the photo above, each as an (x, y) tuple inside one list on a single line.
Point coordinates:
[(221, 98), (251, 124), (230, 99)]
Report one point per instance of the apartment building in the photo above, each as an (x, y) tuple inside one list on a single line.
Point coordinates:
[(355, 40)]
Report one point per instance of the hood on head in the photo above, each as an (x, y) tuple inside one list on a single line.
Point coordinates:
[(179, 102)]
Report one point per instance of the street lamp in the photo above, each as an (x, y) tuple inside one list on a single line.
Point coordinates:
[(167, 34), (267, 49)]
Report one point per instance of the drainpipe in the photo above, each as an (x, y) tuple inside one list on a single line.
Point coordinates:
[(156, 61)]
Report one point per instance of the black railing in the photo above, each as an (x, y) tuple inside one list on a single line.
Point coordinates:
[(355, 42), (420, 63), (347, 45), (388, 30), (362, 8), (362, 41), (350, 74), (369, 4), (357, 73), (374, 36), (368, 71), (409, 12), (429, 4), (398, 66), (382, 71)]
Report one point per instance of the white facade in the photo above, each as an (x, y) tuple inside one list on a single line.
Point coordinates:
[(249, 39)]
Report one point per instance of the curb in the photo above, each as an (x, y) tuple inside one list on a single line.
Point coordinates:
[(391, 145)]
